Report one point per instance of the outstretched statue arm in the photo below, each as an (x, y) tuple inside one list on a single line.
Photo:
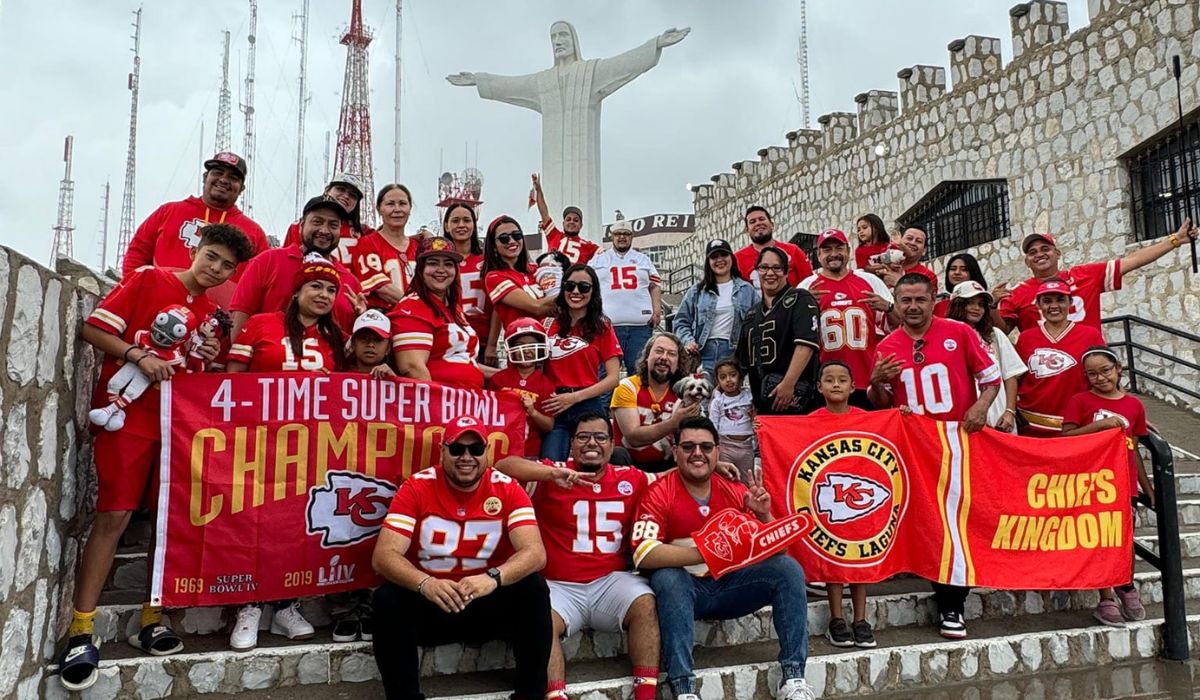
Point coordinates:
[(519, 90), (614, 73)]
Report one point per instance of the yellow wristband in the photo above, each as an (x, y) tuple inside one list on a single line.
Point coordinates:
[(1174, 239)]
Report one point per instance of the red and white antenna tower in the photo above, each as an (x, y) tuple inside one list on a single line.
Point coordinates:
[(303, 39), (64, 230), (224, 114), (247, 106), (354, 126), (125, 234)]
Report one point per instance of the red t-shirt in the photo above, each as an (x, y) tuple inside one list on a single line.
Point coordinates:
[(166, 238), (1086, 408), (924, 271), (500, 283), (863, 253), (536, 387), (1055, 374), (574, 363), (650, 410), (799, 265), (584, 527), (475, 304), (669, 514), (942, 307), (455, 534), (451, 343), (348, 238), (269, 282), (376, 262), (943, 386), (849, 331), (129, 308), (822, 411), (577, 248), (263, 346), (1087, 283)]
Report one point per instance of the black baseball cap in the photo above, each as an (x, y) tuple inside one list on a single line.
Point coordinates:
[(324, 201), (717, 245), (226, 159)]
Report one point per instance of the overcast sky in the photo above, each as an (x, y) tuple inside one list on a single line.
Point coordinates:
[(719, 96)]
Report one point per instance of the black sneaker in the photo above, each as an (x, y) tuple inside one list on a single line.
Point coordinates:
[(366, 627), (839, 634), (346, 629), (863, 637), (953, 626)]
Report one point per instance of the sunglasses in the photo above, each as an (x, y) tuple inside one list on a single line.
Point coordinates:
[(507, 238), (705, 447), (918, 356), (572, 285), (456, 449)]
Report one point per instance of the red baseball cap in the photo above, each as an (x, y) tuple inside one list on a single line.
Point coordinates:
[(229, 160), (832, 234), (1054, 286), (1034, 237), (523, 326), (436, 245), (460, 426)]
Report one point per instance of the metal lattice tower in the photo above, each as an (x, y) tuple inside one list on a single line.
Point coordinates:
[(802, 58), (303, 39), (325, 173), (104, 228), (354, 126), (247, 106), (64, 229), (399, 37), (224, 105), (125, 233)]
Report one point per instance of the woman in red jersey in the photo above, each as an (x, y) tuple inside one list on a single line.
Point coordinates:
[(460, 228), (382, 261), (508, 278)]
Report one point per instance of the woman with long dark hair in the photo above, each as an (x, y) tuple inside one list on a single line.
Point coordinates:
[(383, 260), (581, 340), (873, 239), (347, 191), (971, 303), (459, 226), (508, 279), (710, 315), (959, 268)]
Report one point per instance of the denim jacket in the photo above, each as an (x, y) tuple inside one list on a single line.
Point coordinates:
[(694, 319)]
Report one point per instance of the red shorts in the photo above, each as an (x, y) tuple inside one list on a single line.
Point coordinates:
[(126, 470)]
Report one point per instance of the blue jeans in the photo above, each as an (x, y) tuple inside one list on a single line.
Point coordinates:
[(714, 350), (556, 444), (632, 339), (682, 598)]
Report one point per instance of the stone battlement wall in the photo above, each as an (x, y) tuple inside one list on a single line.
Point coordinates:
[(1053, 123)]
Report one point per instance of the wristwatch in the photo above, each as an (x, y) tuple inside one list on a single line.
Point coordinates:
[(494, 573)]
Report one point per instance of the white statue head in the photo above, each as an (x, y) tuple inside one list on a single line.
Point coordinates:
[(564, 41)]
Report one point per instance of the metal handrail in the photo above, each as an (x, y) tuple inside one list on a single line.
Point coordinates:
[(688, 273), (1127, 322)]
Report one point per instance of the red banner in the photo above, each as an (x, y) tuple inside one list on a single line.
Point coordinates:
[(889, 494), (273, 486)]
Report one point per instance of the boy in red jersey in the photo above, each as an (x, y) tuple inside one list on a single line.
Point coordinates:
[(460, 550), (585, 516), (125, 458), (567, 240), (676, 506), (761, 230), (527, 348)]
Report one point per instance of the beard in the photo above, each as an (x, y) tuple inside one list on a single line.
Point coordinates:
[(660, 376), (761, 237)]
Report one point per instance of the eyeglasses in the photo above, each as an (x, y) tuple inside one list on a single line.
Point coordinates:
[(918, 356), (769, 268), (507, 238), (571, 285), (1093, 373), (598, 438), (456, 449), (705, 447)]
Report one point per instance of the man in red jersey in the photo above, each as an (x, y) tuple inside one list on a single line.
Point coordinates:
[(125, 458), (1086, 282), (585, 512), (646, 410), (266, 284), (1053, 351), (849, 301), (460, 550), (913, 244), (761, 230), (673, 508), (347, 190), (932, 365), (567, 240)]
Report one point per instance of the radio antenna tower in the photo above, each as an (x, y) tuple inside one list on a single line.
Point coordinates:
[(399, 37), (104, 230), (354, 126), (303, 39), (803, 94), (224, 117), (328, 175), (125, 234), (247, 105), (64, 230)]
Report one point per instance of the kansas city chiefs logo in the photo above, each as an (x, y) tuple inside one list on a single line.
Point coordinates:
[(189, 232), (845, 497), (1047, 362), (561, 347), (349, 508)]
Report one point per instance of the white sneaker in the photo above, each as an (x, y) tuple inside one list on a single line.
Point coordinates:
[(796, 689), (245, 631), (290, 623), (687, 696)]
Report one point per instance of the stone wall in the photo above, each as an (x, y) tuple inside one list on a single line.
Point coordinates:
[(1054, 123), (46, 479)]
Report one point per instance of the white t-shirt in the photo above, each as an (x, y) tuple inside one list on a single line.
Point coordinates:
[(732, 415), (1002, 351), (625, 283), (723, 312)]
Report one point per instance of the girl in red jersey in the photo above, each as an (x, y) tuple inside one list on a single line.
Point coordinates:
[(304, 337), (460, 227), (382, 260), (431, 339), (581, 340), (508, 279), (873, 239), (1103, 407)]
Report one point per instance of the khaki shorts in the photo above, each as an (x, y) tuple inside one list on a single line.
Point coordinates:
[(600, 605)]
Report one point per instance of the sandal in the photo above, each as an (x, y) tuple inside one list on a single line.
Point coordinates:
[(78, 665), (157, 640)]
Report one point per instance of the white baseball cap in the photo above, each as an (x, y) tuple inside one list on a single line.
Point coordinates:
[(968, 289), (373, 320)]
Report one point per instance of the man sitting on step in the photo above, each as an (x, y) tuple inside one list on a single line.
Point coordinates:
[(672, 509)]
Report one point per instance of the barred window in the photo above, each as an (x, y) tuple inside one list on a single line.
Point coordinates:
[(1156, 174), (961, 215), (808, 243)]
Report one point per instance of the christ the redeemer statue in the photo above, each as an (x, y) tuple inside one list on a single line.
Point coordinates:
[(568, 97)]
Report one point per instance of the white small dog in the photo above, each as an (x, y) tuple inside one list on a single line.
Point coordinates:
[(693, 388)]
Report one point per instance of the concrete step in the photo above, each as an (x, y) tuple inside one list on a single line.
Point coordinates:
[(1189, 540), (1188, 508), (1177, 425), (906, 659)]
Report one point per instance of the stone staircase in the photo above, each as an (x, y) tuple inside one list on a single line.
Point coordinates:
[(1013, 635)]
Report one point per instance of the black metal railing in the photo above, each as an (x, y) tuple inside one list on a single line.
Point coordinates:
[(1164, 178), (1132, 349), (961, 215), (679, 279)]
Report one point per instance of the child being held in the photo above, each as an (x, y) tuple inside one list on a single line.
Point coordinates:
[(732, 412)]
